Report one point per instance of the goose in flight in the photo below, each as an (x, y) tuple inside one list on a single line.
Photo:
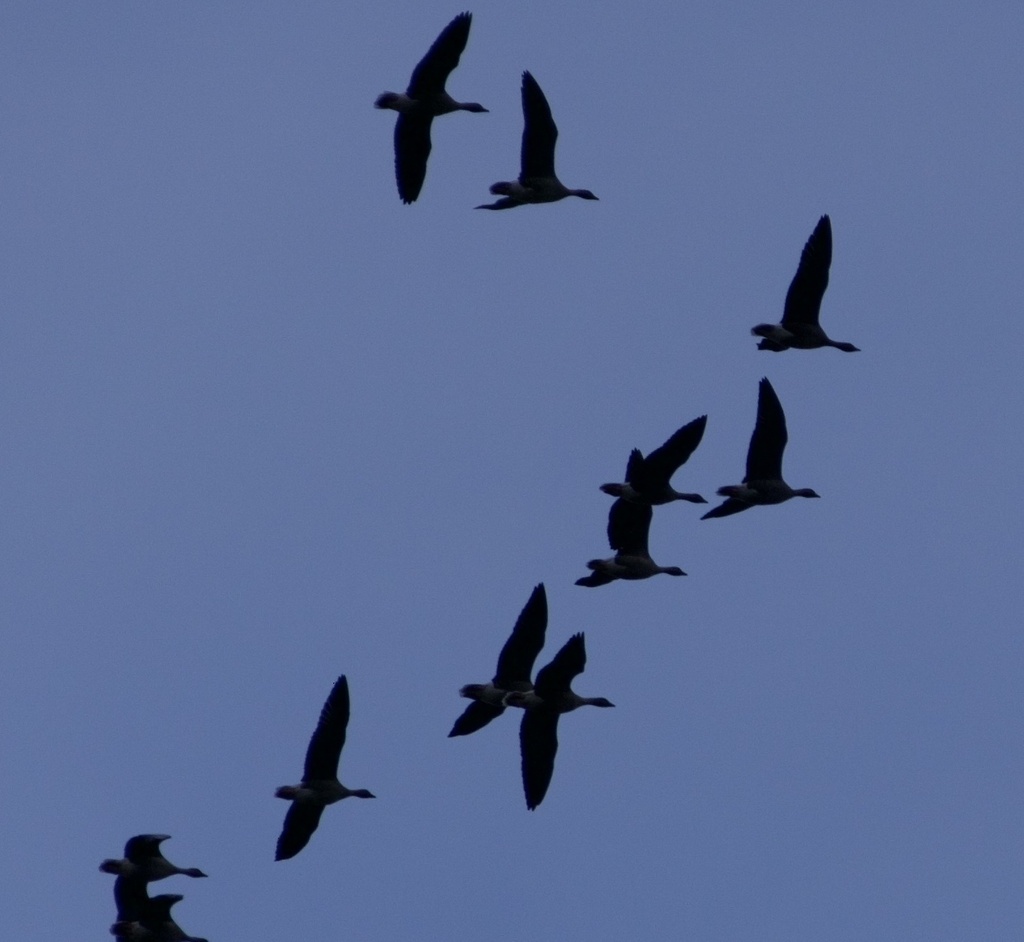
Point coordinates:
[(144, 862), (537, 182), (799, 327), (424, 100), (551, 696), (628, 526), (515, 667), (763, 483), (647, 479), (319, 786)]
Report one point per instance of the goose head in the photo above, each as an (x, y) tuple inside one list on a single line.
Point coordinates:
[(583, 194), (805, 492), (361, 793), (599, 702), (473, 106), (675, 570)]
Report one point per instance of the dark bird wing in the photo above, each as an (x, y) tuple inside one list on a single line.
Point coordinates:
[(628, 526), (442, 57), (764, 457), (538, 743), (327, 740), (635, 467), (731, 505), (412, 148), (557, 677), (662, 463), (803, 300), (476, 716), (144, 846), (515, 663), (299, 824), (537, 157), (131, 899), (594, 580)]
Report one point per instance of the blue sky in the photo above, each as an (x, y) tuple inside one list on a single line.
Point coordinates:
[(262, 425)]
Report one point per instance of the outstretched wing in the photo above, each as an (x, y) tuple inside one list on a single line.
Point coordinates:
[(628, 526), (635, 467), (412, 148), (731, 505), (432, 72), (663, 462), (131, 899), (141, 847), (299, 824), (328, 738), (537, 156), (557, 677), (476, 716), (803, 300), (538, 744), (764, 457), (515, 663)]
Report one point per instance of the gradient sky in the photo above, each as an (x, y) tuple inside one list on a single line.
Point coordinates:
[(262, 425)]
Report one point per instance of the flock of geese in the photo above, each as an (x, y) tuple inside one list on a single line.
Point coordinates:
[(647, 484)]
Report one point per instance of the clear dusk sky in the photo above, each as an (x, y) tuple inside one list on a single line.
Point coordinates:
[(262, 425)]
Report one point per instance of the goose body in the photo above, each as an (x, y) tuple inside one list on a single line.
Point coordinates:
[(629, 523), (143, 861), (551, 696), (648, 479), (320, 786), (514, 670), (424, 100), (800, 328), (763, 483), (537, 182)]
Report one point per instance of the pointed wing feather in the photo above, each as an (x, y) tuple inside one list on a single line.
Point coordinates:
[(299, 824), (557, 677), (328, 737), (635, 467), (537, 156), (628, 526), (515, 663), (803, 300), (443, 56), (764, 457), (538, 744), (594, 580), (729, 506), (476, 716), (663, 462), (412, 148)]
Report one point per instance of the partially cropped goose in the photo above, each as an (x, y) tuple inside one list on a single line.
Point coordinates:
[(143, 860), (799, 327), (154, 924), (319, 786), (515, 667), (763, 483), (424, 100), (647, 479), (628, 526), (551, 696), (537, 182)]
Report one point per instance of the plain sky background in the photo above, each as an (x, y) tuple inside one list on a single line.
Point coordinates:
[(262, 425)]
